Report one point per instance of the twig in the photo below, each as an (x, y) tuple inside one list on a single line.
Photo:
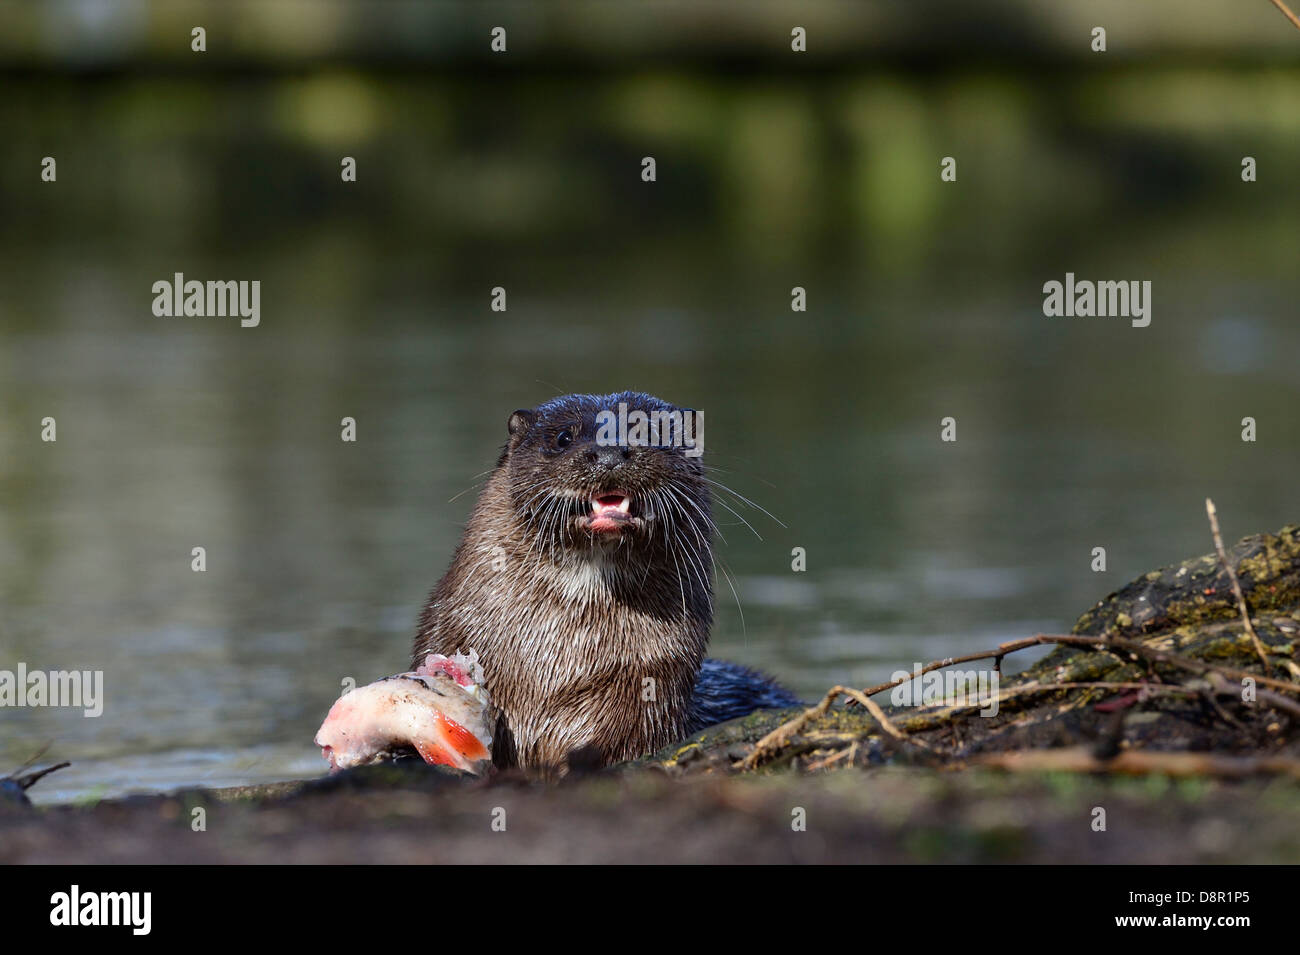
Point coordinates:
[(1173, 659), (29, 780), (833, 758), (1275, 700), (1286, 12), (874, 709), (1100, 643), (1232, 576), (774, 741), (995, 655), (1278, 702), (31, 760), (1139, 762)]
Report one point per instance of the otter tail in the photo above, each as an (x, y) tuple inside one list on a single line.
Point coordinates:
[(724, 691)]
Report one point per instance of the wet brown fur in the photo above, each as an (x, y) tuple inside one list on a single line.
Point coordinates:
[(569, 626)]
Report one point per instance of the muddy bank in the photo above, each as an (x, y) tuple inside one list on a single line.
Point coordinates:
[(891, 814), (1155, 716)]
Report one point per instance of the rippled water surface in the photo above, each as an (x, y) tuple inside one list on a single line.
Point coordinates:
[(176, 433)]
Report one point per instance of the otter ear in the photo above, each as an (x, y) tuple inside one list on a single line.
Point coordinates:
[(520, 422)]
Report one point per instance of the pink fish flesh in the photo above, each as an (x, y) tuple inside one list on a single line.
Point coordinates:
[(440, 709)]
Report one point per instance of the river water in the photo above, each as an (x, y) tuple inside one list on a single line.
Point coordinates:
[(175, 433)]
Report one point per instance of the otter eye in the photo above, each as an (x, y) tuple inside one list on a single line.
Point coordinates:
[(564, 439)]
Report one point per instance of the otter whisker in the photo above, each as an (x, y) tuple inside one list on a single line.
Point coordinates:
[(739, 518), (681, 586), (726, 576), (477, 483), (740, 497), (698, 566), (700, 535)]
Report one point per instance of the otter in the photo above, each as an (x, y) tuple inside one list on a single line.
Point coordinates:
[(582, 581)]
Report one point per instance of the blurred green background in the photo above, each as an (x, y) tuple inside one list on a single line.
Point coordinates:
[(522, 170)]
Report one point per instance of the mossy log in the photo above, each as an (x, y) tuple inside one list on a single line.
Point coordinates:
[(1145, 636)]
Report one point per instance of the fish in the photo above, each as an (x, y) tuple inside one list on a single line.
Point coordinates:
[(441, 709)]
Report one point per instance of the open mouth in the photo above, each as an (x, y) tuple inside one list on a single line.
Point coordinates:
[(610, 512)]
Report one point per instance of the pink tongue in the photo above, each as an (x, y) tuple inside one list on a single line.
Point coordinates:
[(612, 502)]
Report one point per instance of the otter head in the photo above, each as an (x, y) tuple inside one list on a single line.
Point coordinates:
[(608, 472)]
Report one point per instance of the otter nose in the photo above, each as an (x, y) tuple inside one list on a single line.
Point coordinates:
[(608, 456)]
